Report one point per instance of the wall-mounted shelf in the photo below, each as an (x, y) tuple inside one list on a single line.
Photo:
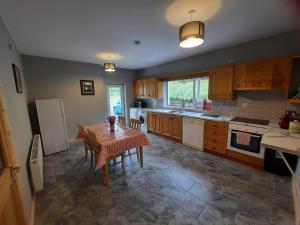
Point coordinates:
[(294, 101)]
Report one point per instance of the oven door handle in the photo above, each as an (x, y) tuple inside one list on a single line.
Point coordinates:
[(252, 135)]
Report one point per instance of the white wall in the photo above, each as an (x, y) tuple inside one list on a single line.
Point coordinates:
[(17, 111)]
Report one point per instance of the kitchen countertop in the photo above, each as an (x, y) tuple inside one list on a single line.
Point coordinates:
[(197, 115), (279, 139)]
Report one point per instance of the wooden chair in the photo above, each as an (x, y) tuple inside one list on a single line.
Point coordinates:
[(87, 146), (122, 121), (135, 124), (96, 148)]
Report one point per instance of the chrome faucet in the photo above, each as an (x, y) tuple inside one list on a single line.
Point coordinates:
[(182, 106)]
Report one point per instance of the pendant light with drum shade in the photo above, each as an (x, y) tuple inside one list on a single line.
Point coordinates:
[(191, 34), (109, 67)]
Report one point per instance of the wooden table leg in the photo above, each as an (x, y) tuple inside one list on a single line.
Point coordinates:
[(105, 174), (123, 162), (141, 156), (138, 154)]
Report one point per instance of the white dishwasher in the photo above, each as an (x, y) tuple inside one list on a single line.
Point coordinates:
[(193, 130)]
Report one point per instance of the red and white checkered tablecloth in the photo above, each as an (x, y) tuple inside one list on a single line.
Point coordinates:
[(114, 143)]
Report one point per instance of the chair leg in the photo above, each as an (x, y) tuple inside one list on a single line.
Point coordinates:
[(141, 156), (92, 158), (86, 151), (138, 154), (123, 163)]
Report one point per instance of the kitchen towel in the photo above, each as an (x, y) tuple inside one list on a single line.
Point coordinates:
[(243, 138)]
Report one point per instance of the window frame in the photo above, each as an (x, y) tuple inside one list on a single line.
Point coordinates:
[(196, 93)]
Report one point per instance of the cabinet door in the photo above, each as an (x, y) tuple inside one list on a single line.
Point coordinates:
[(254, 75), (167, 125), (152, 88), (150, 121), (139, 89), (220, 83), (177, 127), (145, 88), (158, 123)]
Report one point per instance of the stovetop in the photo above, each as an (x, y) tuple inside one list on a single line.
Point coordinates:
[(250, 121)]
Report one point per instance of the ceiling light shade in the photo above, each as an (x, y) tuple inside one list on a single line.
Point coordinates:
[(109, 67), (191, 34)]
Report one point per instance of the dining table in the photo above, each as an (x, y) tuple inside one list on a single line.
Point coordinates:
[(115, 143)]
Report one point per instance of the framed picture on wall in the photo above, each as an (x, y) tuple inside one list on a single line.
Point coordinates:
[(18, 79), (87, 87)]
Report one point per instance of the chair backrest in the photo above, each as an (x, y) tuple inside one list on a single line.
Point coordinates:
[(122, 120), (93, 141), (136, 124), (82, 131)]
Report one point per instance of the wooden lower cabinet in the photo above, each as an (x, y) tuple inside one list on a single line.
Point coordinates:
[(154, 122), (165, 124), (215, 136)]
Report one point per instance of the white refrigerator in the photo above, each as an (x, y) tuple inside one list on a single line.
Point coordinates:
[(52, 124)]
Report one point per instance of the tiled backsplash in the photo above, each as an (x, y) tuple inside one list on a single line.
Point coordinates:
[(269, 105)]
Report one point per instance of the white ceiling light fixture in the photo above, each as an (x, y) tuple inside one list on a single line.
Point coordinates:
[(191, 34), (109, 67)]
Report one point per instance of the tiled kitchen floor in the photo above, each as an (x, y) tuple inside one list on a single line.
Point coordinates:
[(178, 185)]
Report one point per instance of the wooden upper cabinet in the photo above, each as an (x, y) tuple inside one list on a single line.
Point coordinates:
[(148, 89), (262, 74), (221, 83), (139, 88)]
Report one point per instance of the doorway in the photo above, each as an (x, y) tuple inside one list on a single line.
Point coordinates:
[(115, 99)]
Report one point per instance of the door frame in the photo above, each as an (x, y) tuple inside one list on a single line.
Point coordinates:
[(9, 160), (123, 93)]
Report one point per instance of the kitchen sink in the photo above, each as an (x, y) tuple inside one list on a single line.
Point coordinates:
[(211, 115), (174, 112)]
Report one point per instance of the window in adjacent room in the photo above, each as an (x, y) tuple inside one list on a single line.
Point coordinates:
[(192, 92)]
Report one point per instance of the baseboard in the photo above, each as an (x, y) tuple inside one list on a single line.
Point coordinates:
[(32, 216), (296, 198)]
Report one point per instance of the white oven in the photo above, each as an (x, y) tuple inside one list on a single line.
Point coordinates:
[(256, 133)]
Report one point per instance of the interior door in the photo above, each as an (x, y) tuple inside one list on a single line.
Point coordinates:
[(11, 207)]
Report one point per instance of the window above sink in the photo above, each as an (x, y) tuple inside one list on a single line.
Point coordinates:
[(188, 92)]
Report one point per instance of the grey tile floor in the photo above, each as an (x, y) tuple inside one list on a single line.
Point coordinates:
[(178, 185)]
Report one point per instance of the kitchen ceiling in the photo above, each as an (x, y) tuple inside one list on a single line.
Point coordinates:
[(84, 30)]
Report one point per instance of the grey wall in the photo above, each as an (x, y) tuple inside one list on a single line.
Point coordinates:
[(280, 45), (17, 112), (54, 78)]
